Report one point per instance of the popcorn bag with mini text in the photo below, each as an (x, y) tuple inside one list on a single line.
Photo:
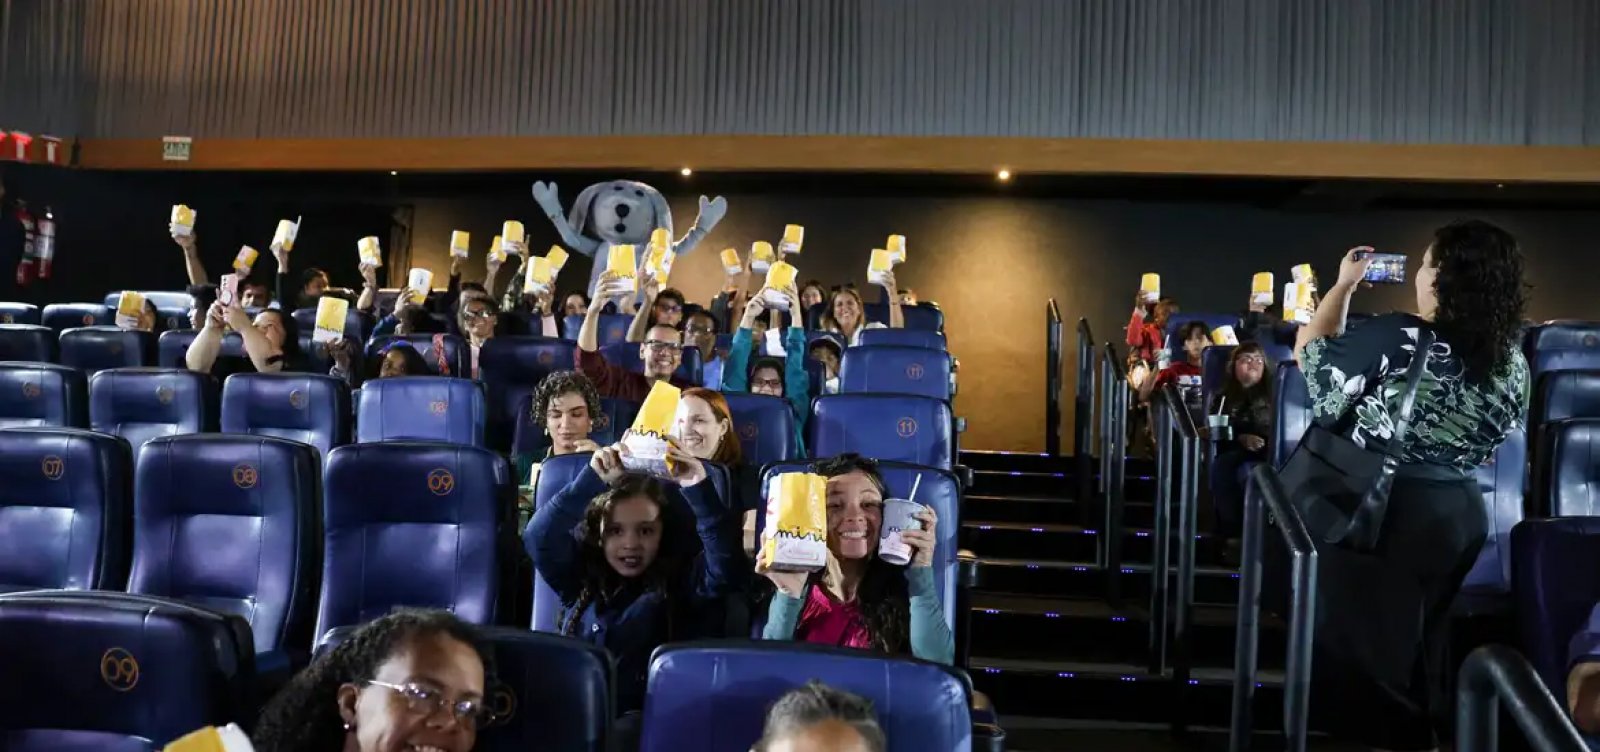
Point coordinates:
[(331, 313), (130, 306), (227, 738), (761, 256), (625, 266), (284, 236), (794, 236), (1261, 289), (896, 246), (878, 266), (183, 220), (370, 252), (647, 441), (1150, 287), (460, 243), (730, 262), (795, 536), (780, 277)]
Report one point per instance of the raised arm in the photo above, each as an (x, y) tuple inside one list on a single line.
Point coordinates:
[(641, 319), (202, 353), (897, 317), (191, 258), (261, 352), (369, 289), (589, 333), (549, 539), (720, 568), (1329, 319)]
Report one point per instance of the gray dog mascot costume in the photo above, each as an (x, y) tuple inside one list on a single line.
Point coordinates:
[(621, 212)]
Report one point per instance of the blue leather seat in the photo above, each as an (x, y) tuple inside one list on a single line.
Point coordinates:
[(1555, 586), (939, 489), (172, 319), (420, 408), (555, 474), (714, 696), (160, 298), (358, 325), (1292, 405), (547, 687), (893, 369), (1562, 346), (96, 348), (1214, 371), (62, 316), (229, 523), (308, 408), (613, 328), (42, 394), (923, 317), (818, 375), (140, 404), (457, 353), (931, 339), (906, 428), (26, 342), (606, 426), (430, 543), (64, 509), (114, 672), (626, 355), (510, 368), (19, 313), (1277, 353), (173, 346), (1572, 470), (1502, 481), (765, 426)]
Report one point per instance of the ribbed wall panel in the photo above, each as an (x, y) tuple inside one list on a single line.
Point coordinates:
[(1405, 71)]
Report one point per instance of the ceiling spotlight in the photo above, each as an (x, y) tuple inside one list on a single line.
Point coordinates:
[(394, 173), (1499, 185), (1003, 174), (686, 172)]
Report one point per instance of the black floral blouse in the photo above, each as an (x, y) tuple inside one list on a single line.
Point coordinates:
[(1454, 423)]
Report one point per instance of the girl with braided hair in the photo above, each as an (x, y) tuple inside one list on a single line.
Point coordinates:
[(630, 579), (412, 680)]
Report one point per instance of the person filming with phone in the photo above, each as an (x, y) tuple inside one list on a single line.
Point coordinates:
[(1378, 655)]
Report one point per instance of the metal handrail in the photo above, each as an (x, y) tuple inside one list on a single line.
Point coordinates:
[(1188, 501), (1115, 442), (1165, 432), (1052, 379), (1496, 673), (1083, 423), (1274, 500)]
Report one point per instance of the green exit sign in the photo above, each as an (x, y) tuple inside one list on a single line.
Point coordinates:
[(176, 148)]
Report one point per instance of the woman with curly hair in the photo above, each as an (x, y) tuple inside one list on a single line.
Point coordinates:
[(628, 575), (564, 406), (411, 680), (1379, 647), (859, 600)]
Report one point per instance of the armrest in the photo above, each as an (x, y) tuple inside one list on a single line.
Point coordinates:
[(965, 475), (966, 577)]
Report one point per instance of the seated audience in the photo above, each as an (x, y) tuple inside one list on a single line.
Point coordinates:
[(661, 352), (812, 294), (269, 342), (829, 354), (846, 314), (410, 680), (1246, 399), (1147, 328), (771, 376), (398, 358), (1186, 373), (627, 580), (203, 296), (477, 318), (254, 293), (409, 317), (908, 297), (564, 404), (700, 331), (815, 717), (704, 427), (860, 600), (148, 317)]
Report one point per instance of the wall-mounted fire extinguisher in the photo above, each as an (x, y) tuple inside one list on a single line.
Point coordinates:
[(44, 247), (25, 268)]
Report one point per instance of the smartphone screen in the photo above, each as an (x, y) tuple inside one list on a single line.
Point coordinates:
[(1386, 269)]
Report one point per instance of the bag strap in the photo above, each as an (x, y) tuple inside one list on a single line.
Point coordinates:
[(1366, 524), (1408, 398)]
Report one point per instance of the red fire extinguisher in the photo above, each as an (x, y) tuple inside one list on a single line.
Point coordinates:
[(25, 269), (44, 247)]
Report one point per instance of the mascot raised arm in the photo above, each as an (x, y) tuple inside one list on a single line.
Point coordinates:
[(621, 212)]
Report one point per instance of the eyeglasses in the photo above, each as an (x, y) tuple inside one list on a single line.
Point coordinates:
[(701, 331), (767, 383), (481, 313), (669, 307), (1255, 360), (426, 701), (656, 344)]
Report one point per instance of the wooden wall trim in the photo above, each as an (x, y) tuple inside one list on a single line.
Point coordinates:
[(1023, 156)]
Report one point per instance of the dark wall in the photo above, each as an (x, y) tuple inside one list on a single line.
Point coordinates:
[(991, 257)]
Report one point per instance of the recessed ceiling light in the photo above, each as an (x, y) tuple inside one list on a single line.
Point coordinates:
[(1003, 174), (686, 172), (394, 172)]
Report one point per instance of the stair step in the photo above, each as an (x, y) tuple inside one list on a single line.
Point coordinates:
[(1116, 692), (1069, 542), (1083, 579), (1049, 508), (1025, 461)]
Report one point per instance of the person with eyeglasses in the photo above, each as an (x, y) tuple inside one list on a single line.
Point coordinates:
[(661, 352), (478, 318), (700, 332), (660, 306), (411, 680), (1246, 399), (775, 377)]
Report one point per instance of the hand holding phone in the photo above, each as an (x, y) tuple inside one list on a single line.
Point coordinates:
[(1384, 268)]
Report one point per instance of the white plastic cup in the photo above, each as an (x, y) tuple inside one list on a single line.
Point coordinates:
[(898, 515)]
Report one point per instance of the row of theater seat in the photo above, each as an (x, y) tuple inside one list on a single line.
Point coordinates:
[(115, 672)]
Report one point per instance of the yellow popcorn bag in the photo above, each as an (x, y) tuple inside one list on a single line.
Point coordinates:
[(459, 243), (659, 261), (780, 277), (538, 278), (421, 283), (284, 236), (183, 219), (497, 250), (878, 266), (331, 313), (129, 306), (647, 441), (558, 259), (1297, 305), (730, 261), (896, 248), (1150, 287), (625, 265), (1261, 289), (371, 253), (1224, 335), (245, 260), (512, 236), (794, 236), (795, 536), (761, 256), (227, 738), (1303, 273)]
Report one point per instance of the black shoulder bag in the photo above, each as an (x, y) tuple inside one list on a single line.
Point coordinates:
[(1342, 489)]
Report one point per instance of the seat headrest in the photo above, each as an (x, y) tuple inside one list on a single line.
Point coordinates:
[(896, 369), (765, 427), (96, 348), (305, 407), (421, 408), (75, 489), (905, 428), (25, 342), (42, 394), (59, 316)]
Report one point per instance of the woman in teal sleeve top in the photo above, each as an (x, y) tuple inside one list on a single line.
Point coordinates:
[(792, 381), (860, 600)]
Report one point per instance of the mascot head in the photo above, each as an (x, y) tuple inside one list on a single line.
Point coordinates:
[(620, 211)]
